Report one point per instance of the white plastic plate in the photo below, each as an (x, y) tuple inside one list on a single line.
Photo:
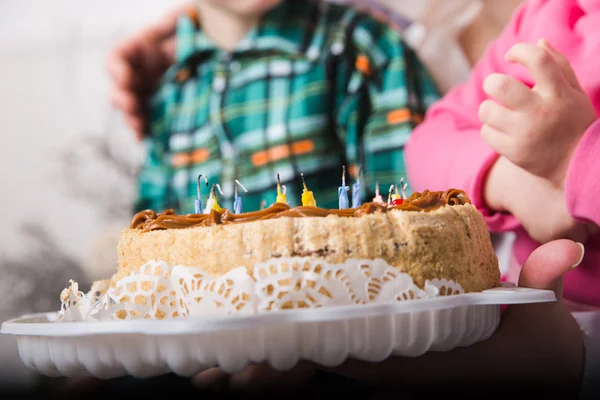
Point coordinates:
[(328, 336)]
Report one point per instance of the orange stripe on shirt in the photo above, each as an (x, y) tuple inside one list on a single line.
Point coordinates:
[(403, 115), (363, 64), (303, 147), (398, 116), (180, 160), (200, 156), (183, 159), (281, 152)]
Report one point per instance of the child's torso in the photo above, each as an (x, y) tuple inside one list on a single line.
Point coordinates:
[(251, 119), (289, 100)]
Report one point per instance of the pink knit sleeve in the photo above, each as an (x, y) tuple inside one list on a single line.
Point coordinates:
[(446, 150), (582, 187)]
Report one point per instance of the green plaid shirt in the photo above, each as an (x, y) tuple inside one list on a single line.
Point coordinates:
[(313, 87)]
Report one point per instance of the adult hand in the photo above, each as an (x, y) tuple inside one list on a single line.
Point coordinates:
[(137, 64), (538, 129), (535, 345)]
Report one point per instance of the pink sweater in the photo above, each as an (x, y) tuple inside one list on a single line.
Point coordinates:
[(450, 133)]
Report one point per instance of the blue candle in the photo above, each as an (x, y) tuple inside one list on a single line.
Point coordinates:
[(356, 191), (237, 202), (237, 205), (343, 191), (343, 197), (356, 195), (198, 201)]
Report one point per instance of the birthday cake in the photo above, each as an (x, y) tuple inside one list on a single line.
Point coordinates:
[(430, 235), (282, 257)]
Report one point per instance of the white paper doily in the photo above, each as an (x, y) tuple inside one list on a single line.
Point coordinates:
[(162, 291)]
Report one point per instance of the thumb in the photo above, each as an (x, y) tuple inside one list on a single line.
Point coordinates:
[(547, 265), (563, 63)]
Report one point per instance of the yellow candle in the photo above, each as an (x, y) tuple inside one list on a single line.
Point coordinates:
[(281, 198), (216, 206), (212, 203), (308, 200)]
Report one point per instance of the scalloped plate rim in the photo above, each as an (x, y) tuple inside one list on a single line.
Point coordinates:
[(212, 323)]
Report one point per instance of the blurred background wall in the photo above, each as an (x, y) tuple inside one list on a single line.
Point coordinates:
[(67, 162)]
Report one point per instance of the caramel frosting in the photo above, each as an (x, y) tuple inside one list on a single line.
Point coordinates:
[(149, 220)]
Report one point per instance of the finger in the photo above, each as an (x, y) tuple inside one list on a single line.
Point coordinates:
[(509, 91), (498, 117), (140, 135), (563, 63), (542, 66), (263, 376), (125, 101), (168, 51), (120, 65), (546, 266), (497, 140), (254, 377), (138, 125), (211, 378), (163, 30)]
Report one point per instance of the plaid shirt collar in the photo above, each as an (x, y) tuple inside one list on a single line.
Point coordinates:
[(279, 31)]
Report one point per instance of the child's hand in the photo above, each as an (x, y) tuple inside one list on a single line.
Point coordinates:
[(538, 129), (538, 205)]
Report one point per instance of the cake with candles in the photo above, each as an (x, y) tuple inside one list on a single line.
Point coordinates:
[(430, 235)]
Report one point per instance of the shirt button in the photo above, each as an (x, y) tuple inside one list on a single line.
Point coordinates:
[(313, 53), (337, 48), (219, 84)]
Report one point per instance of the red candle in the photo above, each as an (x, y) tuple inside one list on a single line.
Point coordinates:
[(397, 202)]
